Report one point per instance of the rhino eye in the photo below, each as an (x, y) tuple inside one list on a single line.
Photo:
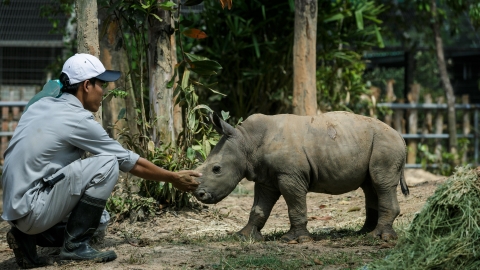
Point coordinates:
[(216, 169)]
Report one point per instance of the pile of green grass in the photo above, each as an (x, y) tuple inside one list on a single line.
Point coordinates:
[(446, 233)]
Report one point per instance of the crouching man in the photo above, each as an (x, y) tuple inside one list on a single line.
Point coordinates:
[(45, 180)]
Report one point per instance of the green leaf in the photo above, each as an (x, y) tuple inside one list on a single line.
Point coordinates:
[(121, 114), (194, 57), (379, 37), (172, 80), (225, 115), (169, 5), (201, 106), (206, 65), (186, 76), (191, 121), (156, 17), (193, 2), (190, 153), (335, 17), (359, 19), (255, 45)]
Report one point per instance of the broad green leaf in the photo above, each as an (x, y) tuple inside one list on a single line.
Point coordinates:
[(186, 76), (121, 114), (335, 17), (151, 147), (225, 115), (196, 147), (359, 19), (193, 2), (212, 141), (194, 57), (168, 5), (190, 153), (202, 71), (206, 64), (194, 33)]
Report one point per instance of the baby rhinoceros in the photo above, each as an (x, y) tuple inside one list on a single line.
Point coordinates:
[(291, 155)]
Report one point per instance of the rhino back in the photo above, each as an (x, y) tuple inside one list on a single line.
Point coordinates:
[(331, 152)]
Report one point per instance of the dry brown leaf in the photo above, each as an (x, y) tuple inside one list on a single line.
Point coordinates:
[(226, 3), (320, 218), (317, 262), (353, 209), (387, 245), (322, 206)]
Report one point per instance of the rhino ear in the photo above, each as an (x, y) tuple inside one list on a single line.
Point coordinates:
[(221, 126)]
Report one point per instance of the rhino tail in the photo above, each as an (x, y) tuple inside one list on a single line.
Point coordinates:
[(403, 184)]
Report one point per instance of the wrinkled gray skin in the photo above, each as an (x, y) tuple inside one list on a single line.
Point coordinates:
[(291, 155)]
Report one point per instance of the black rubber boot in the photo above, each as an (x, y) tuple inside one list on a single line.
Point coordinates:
[(25, 249), (81, 226), (53, 237)]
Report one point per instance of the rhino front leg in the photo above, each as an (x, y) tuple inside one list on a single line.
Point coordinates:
[(371, 207), (265, 198), (295, 195)]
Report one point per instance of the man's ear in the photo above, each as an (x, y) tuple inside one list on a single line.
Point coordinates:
[(85, 85), (221, 126)]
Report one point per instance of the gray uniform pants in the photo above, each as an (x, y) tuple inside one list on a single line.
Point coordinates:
[(95, 176)]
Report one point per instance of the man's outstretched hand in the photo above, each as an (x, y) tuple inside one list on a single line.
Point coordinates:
[(186, 181)]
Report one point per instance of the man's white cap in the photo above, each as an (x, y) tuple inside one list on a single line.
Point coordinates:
[(83, 66)]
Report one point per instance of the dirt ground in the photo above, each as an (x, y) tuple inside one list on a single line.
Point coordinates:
[(189, 239)]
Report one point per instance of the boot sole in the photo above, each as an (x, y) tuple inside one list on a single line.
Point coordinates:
[(107, 257)]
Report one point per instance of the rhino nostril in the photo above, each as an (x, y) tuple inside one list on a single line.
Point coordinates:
[(201, 193)]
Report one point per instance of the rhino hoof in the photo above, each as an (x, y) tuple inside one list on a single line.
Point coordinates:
[(300, 239)]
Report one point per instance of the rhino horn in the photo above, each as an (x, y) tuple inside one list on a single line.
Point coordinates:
[(221, 126)]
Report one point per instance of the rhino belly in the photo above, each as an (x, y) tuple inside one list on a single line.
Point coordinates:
[(339, 172)]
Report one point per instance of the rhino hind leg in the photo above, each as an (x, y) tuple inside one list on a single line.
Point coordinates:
[(265, 198), (388, 207)]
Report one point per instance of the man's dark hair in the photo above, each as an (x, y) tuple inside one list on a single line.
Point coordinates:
[(67, 87), (71, 88)]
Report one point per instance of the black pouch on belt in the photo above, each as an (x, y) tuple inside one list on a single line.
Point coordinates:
[(50, 183)]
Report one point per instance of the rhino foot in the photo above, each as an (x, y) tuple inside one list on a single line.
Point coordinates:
[(301, 236), (385, 233), (249, 233)]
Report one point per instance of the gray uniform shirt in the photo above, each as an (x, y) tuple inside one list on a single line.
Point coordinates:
[(51, 134)]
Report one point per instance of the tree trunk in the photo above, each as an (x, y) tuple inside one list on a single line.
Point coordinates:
[(160, 62), (87, 32), (113, 56), (304, 58), (447, 86)]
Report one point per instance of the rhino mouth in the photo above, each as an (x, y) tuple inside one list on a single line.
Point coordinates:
[(204, 196)]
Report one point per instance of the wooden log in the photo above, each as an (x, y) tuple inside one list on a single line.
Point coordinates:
[(466, 124), (5, 112), (428, 123), (439, 126), (398, 121), (413, 97), (389, 97)]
